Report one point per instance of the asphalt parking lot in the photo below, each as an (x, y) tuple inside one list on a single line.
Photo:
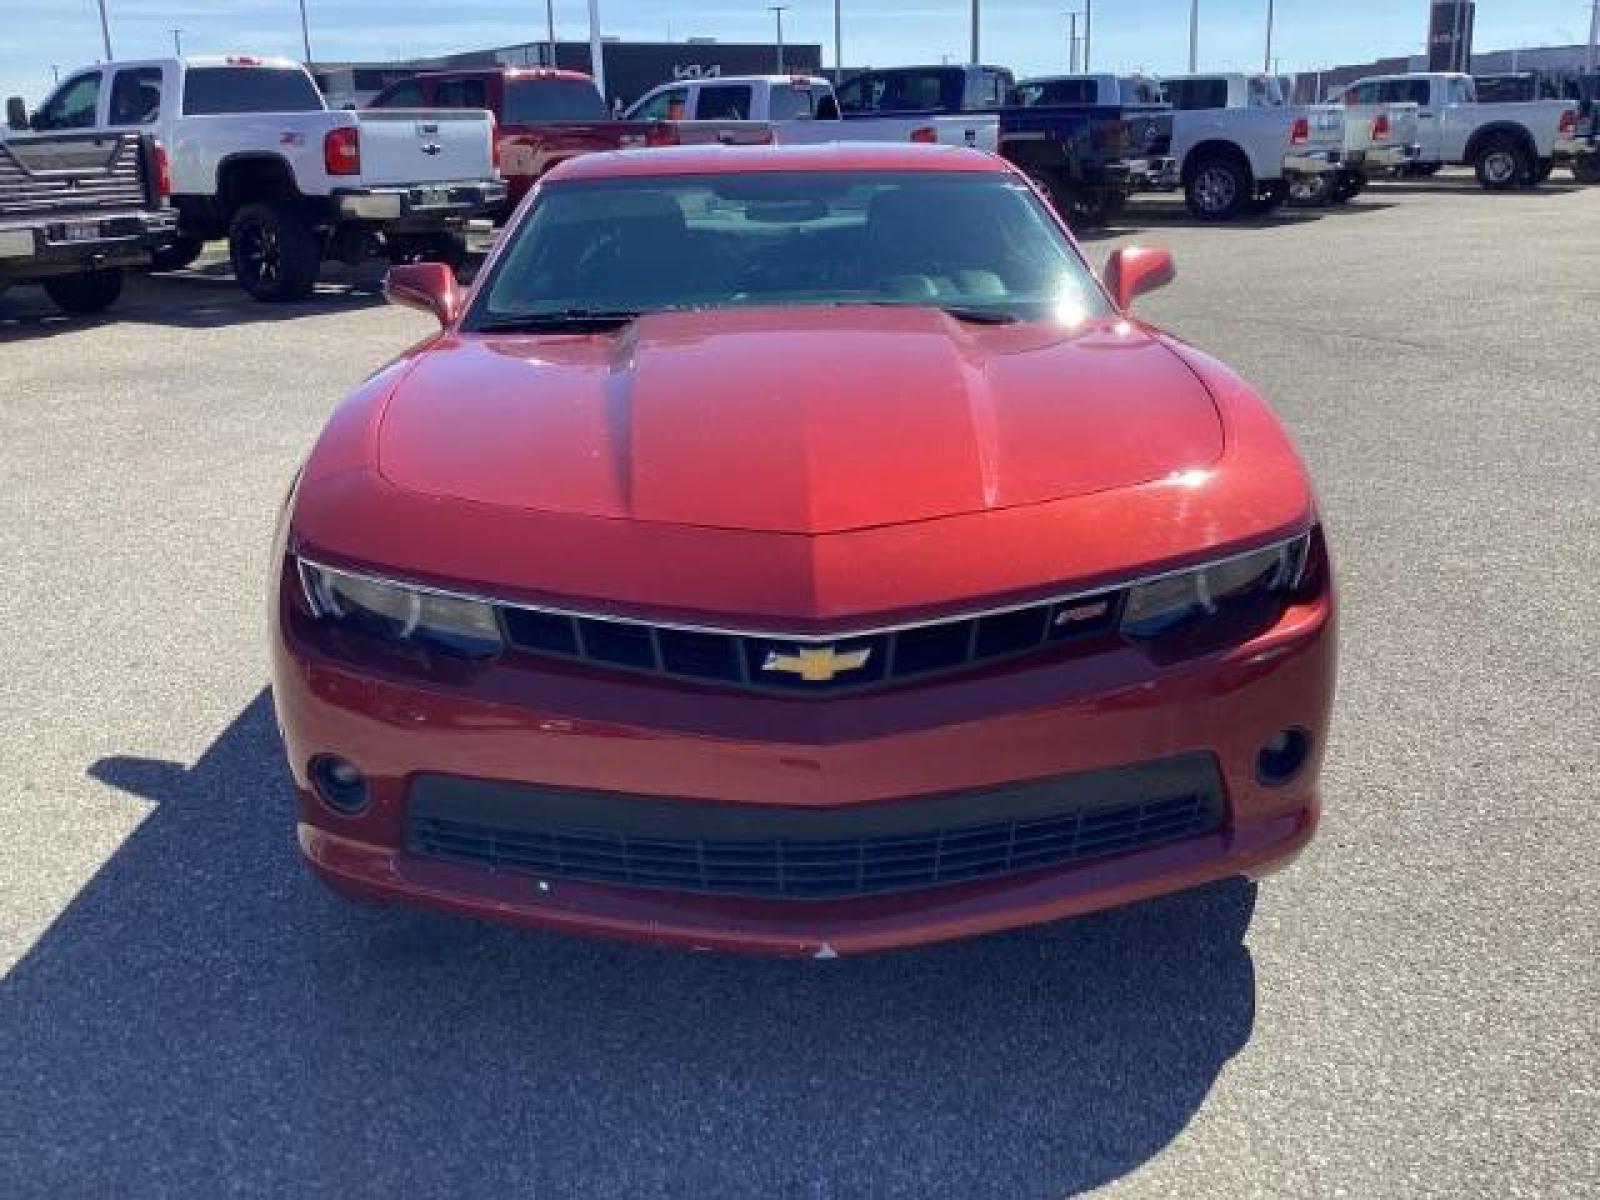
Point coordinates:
[(1410, 1010)]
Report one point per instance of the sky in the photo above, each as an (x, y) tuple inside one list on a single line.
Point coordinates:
[(1029, 36)]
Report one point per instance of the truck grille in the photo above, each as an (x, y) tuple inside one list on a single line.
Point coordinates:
[(782, 853), (60, 175)]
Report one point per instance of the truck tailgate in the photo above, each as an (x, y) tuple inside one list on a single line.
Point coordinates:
[(415, 145), (73, 172)]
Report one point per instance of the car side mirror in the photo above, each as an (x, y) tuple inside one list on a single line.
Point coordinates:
[(1134, 270), (428, 287), (16, 113)]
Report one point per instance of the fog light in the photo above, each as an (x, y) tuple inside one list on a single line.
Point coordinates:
[(1282, 756), (339, 783)]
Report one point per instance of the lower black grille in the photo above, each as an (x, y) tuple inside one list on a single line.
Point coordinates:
[(751, 850)]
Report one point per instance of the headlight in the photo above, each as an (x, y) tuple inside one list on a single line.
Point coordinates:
[(409, 614), (1158, 604)]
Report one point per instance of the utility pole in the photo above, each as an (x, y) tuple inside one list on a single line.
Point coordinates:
[(1194, 36), (1072, 43), (1594, 33), (1088, 31), (597, 58), (777, 11), (105, 29), (1266, 66), (838, 44), (550, 30), (975, 32), (305, 33), (177, 43)]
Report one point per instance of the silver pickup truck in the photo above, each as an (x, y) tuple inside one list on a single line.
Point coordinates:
[(75, 209)]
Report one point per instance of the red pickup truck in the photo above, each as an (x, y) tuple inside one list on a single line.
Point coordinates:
[(546, 116)]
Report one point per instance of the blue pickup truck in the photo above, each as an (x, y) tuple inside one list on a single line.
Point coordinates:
[(1086, 154)]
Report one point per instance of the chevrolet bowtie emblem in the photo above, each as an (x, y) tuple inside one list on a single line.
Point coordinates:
[(817, 664)]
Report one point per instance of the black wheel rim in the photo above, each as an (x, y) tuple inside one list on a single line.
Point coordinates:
[(260, 254)]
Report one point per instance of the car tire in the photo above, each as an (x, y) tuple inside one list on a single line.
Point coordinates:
[(1501, 163), (1348, 188), (275, 255), (90, 292), (177, 255), (1587, 168), (1544, 169), (1218, 188)]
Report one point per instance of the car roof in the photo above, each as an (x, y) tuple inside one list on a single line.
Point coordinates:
[(731, 160)]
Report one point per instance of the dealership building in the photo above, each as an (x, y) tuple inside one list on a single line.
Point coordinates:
[(631, 68)]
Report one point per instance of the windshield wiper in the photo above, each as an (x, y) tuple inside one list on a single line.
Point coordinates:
[(566, 320)]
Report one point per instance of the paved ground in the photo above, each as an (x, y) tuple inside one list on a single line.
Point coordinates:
[(1410, 1011)]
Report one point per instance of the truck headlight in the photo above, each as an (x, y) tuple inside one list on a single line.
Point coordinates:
[(1157, 605), (382, 608)]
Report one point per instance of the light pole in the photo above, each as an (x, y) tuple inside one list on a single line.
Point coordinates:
[(105, 29), (838, 43), (597, 58), (1594, 33), (1266, 66), (777, 11), (177, 43), (550, 30), (1194, 36), (1088, 31), (975, 32), (1072, 43), (305, 32)]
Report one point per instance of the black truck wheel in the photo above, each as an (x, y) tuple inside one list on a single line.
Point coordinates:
[(1543, 170), (1269, 198), (275, 256), (1501, 163), (1218, 188), (177, 255), (90, 292), (1586, 169)]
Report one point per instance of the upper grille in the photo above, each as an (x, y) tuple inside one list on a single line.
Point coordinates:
[(864, 850), (54, 176), (803, 666)]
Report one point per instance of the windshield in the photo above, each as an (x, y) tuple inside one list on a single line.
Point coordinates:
[(979, 243)]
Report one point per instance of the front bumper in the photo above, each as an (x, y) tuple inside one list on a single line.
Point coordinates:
[(446, 201), (1313, 162), (592, 734), (36, 250)]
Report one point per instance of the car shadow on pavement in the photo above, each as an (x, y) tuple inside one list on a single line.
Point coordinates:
[(203, 1018), (189, 300)]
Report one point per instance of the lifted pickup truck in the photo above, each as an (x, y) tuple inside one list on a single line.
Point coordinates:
[(1506, 145), (544, 115), (75, 209), (258, 156), (1086, 140)]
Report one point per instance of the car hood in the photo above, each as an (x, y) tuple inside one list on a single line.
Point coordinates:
[(795, 421)]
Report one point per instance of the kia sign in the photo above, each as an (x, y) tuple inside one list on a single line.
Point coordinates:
[(1450, 36)]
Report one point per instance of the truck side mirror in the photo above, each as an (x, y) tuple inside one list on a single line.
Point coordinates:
[(429, 287), (1133, 270), (16, 113)]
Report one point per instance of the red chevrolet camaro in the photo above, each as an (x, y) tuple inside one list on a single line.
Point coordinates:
[(798, 550)]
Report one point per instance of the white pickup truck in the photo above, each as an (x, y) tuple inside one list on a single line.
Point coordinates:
[(257, 155), (1507, 145), (916, 104), (1238, 146)]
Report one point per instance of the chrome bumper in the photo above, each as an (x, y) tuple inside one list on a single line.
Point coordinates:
[(1569, 148), (421, 200), (1313, 162), (1153, 174)]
